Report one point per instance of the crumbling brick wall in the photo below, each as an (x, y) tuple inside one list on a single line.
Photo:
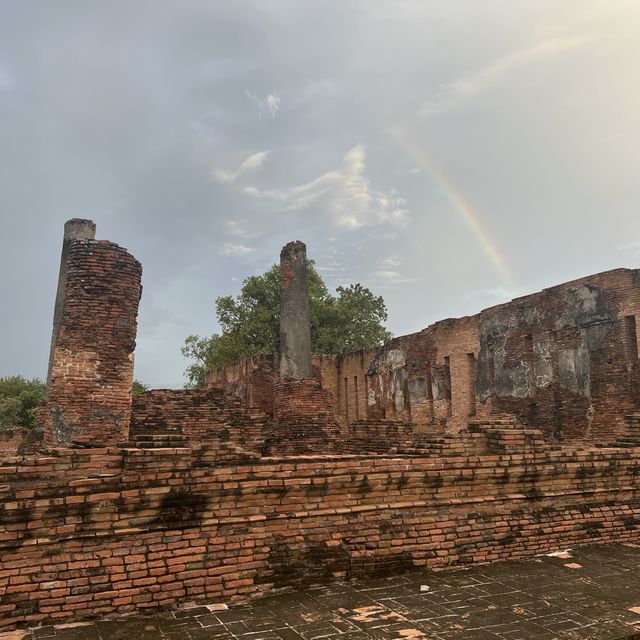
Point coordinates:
[(304, 418), (89, 392), (10, 439), (202, 416), (251, 379), (97, 532), (564, 360)]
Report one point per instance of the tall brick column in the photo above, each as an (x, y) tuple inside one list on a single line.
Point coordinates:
[(74, 229), (295, 324), (304, 419), (91, 365)]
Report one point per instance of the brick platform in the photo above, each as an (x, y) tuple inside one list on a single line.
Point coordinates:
[(588, 593), (96, 532)]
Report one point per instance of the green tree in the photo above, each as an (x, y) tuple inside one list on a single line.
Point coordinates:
[(19, 400), (138, 388), (353, 319)]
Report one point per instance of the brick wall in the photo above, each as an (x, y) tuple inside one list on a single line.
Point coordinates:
[(202, 416), (89, 392), (10, 439), (304, 418), (93, 532), (250, 379), (564, 360)]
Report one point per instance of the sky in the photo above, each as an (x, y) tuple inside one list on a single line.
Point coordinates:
[(448, 155)]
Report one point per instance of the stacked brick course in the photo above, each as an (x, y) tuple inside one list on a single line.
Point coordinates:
[(201, 416), (304, 418), (89, 392), (94, 532), (10, 439)]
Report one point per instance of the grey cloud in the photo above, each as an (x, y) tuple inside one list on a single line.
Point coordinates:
[(124, 112)]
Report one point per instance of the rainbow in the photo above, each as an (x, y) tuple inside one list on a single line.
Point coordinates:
[(467, 212)]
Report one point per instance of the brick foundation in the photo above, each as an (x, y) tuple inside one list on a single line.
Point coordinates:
[(304, 418), (96, 532)]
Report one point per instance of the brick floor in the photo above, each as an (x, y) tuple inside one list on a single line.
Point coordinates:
[(587, 595)]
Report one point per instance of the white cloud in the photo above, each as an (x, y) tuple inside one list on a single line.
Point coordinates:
[(251, 163), (238, 228), (269, 105), (235, 249), (346, 193), (500, 294), (632, 248), (389, 272), (391, 276), (463, 89), (273, 104)]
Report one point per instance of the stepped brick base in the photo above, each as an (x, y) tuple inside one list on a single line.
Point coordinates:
[(304, 418)]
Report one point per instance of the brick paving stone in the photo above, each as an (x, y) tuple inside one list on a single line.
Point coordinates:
[(537, 598)]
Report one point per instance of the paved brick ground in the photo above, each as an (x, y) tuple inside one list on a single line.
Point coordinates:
[(588, 595)]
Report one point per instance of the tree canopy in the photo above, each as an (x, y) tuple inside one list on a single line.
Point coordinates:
[(138, 387), (19, 399), (250, 322)]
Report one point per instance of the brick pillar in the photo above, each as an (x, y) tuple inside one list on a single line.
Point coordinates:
[(295, 325), (74, 229), (91, 373)]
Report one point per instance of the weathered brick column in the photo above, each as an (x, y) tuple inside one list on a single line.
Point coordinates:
[(295, 325), (74, 229), (303, 410), (91, 369)]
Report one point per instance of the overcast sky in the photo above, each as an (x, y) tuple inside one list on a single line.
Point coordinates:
[(448, 155)]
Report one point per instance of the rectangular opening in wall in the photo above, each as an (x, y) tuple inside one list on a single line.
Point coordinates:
[(630, 339), (447, 385), (357, 397), (346, 399), (529, 357), (471, 383)]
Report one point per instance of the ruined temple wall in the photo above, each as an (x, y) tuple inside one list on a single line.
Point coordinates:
[(89, 391), (95, 532), (250, 379), (202, 416), (425, 378), (566, 359)]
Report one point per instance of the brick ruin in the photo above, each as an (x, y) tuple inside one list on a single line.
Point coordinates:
[(485, 438), (94, 335), (564, 361)]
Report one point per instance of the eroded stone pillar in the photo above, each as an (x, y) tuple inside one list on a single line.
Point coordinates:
[(295, 325), (91, 367)]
